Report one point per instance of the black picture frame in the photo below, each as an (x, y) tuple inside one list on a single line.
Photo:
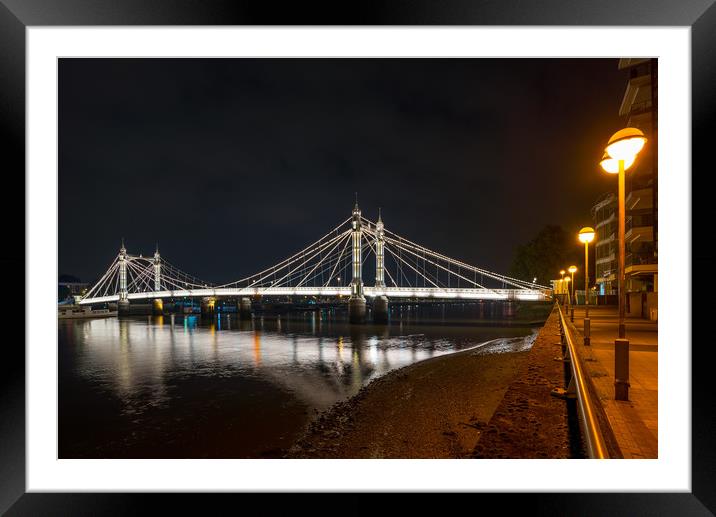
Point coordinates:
[(17, 15)]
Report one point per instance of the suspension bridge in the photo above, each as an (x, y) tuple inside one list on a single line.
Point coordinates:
[(332, 266)]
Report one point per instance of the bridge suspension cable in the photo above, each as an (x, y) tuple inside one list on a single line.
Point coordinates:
[(412, 247)]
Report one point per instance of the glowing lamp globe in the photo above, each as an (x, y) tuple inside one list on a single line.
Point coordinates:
[(624, 145), (611, 165), (586, 234), (562, 272), (572, 269)]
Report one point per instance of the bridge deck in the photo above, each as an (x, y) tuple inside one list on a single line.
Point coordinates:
[(371, 292)]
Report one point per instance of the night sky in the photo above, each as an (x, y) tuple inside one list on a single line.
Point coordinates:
[(233, 164)]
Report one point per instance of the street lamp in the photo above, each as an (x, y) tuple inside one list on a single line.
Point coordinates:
[(586, 235), (561, 285), (619, 155), (568, 300), (572, 270)]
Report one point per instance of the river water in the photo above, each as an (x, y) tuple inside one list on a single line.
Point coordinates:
[(178, 387)]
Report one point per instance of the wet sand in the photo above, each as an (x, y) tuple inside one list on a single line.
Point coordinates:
[(433, 409)]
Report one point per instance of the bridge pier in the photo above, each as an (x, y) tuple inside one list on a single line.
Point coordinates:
[(380, 309), (244, 307), (356, 310), (157, 307), (208, 307), (508, 309), (123, 308)]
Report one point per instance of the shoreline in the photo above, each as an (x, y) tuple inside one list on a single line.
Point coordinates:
[(436, 408)]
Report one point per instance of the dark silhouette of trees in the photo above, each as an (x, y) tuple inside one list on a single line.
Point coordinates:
[(543, 257)]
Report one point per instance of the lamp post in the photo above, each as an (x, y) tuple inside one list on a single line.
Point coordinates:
[(572, 270), (586, 235), (568, 300), (561, 285), (619, 155), (573, 302)]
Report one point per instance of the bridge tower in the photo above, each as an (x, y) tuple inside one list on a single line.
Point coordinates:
[(157, 303), (380, 302), (379, 257), (356, 303), (123, 303)]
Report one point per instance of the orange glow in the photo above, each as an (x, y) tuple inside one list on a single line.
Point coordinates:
[(257, 348), (611, 165), (586, 234), (625, 144)]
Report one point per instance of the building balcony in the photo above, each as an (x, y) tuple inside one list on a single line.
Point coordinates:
[(605, 221), (645, 258)]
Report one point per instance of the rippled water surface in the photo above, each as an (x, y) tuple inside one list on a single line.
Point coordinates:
[(174, 386)]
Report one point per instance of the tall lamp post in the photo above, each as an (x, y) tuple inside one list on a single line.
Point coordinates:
[(561, 285), (568, 300), (586, 235), (619, 155), (572, 270)]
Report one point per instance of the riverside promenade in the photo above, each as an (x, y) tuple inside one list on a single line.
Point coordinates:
[(529, 423), (634, 422)]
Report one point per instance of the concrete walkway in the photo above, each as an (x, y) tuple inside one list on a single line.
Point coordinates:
[(635, 422)]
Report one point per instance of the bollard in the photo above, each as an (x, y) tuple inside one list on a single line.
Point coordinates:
[(571, 314), (621, 369), (587, 328)]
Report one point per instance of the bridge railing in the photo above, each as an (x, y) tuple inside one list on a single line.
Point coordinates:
[(597, 433)]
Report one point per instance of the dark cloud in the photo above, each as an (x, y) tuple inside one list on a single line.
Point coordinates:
[(231, 164)]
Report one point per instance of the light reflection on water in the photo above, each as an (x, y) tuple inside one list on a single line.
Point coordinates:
[(146, 364)]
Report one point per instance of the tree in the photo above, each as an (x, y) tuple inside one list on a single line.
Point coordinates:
[(543, 257)]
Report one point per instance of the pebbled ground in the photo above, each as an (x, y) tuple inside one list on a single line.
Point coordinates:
[(437, 408)]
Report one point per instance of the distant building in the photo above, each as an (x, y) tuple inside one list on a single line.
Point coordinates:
[(70, 286), (639, 108), (605, 244)]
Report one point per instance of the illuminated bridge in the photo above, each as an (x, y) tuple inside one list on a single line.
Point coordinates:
[(329, 267)]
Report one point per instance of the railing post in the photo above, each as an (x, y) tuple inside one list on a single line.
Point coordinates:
[(587, 331), (621, 369)]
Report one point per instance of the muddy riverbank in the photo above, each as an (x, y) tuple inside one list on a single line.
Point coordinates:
[(436, 408)]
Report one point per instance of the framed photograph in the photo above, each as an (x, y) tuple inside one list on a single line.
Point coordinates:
[(419, 253)]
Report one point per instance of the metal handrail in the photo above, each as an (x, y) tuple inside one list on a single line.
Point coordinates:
[(593, 436)]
